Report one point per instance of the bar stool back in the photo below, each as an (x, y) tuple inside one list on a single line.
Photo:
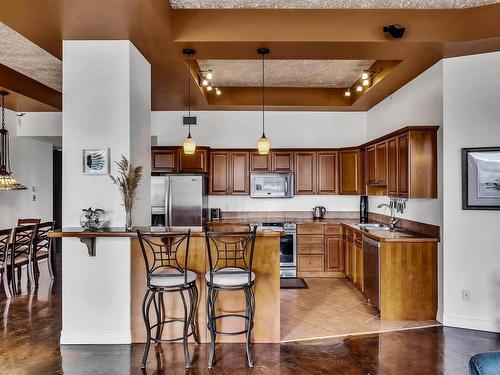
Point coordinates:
[(168, 273), (5, 236), (230, 257), (42, 248)]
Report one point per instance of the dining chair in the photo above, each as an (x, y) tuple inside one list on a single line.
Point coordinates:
[(42, 249), (5, 236), (28, 221), (20, 255)]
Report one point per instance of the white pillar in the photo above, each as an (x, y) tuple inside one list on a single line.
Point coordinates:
[(106, 105)]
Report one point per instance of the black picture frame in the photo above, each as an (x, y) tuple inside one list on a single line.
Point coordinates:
[(466, 204)]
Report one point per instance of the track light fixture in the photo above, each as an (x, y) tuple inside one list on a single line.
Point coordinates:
[(347, 92)]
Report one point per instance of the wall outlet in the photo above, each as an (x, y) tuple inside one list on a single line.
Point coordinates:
[(34, 198), (465, 295)]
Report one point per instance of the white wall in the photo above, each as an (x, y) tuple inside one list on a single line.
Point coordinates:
[(235, 129), (31, 164), (471, 252)]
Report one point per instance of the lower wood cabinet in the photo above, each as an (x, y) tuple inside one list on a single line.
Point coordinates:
[(334, 254), (311, 263)]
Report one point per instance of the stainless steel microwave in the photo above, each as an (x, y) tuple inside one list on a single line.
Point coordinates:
[(271, 185)]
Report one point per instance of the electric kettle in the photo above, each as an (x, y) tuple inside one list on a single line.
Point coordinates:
[(319, 213)]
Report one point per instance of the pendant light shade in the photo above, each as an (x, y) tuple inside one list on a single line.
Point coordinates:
[(189, 144), (7, 181), (263, 144)]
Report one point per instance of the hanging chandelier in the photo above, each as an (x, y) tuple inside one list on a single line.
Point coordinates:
[(7, 182), (263, 144), (189, 144)]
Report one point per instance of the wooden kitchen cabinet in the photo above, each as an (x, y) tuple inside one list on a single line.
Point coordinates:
[(412, 164), (196, 163), (164, 159), (350, 172), (311, 263), (282, 161), (334, 254), (260, 163), (327, 172), (376, 164), (230, 173), (305, 172)]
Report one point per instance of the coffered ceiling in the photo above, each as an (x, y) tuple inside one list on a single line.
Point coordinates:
[(286, 73), (328, 4), (317, 47)]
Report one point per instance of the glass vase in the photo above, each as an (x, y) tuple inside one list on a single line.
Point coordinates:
[(128, 220)]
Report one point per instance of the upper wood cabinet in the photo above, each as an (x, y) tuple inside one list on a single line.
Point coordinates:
[(282, 161), (327, 172), (196, 163), (350, 172), (305, 172), (376, 164), (229, 173), (260, 163), (164, 159), (412, 164)]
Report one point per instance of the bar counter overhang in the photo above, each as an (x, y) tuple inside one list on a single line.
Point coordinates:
[(102, 301)]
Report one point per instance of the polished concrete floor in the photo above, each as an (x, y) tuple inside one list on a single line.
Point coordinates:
[(30, 326), (331, 308)]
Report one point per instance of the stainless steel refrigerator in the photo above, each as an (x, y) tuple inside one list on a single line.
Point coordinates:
[(179, 200)]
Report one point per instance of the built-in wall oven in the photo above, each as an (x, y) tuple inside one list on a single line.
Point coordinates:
[(288, 246)]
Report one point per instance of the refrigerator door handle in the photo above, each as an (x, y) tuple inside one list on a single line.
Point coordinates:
[(169, 203)]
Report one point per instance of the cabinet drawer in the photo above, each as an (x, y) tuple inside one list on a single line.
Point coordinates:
[(311, 249), (310, 240), (311, 263), (310, 229), (332, 230)]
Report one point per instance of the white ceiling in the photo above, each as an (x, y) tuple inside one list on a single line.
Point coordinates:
[(285, 73), (25, 57), (328, 4)]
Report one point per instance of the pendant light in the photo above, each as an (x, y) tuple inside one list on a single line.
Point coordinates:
[(7, 182), (263, 143), (189, 144)]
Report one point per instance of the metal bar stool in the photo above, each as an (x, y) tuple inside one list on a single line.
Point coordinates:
[(5, 236), (162, 253), (230, 256), (42, 249)]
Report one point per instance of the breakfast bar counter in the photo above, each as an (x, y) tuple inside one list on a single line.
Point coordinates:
[(265, 266)]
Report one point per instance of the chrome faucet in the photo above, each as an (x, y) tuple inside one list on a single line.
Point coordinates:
[(393, 220)]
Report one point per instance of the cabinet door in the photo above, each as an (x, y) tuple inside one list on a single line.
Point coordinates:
[(282, 161), (305, 172), (403, 190), (334, 254), (219, 167), (311, 263), (239, 176), (196, 163), (370, 165), (327, 172), (164, 160), (381, 163), (350, 172), (392, 161), (260, 163)]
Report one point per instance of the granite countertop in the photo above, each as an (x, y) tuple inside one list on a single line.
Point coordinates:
[(197, 231)]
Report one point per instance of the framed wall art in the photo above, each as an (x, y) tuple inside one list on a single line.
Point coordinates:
[(95, 161), (481, 178)]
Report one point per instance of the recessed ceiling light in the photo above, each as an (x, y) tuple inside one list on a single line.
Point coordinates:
[(204, 82), (347, 92), (209, 88), (209, 75), (359, 88), (217, 91), (366, 82), (365, 75)]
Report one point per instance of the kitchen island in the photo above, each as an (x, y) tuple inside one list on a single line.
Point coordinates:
[(79, 282)]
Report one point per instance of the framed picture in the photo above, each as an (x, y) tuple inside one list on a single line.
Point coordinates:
[(481, 178), (95, 161)]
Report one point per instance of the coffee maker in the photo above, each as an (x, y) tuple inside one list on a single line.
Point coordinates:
[(215, 214), (319, 213)]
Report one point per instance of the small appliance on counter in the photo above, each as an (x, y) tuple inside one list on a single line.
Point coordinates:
[(215, 214), (319, 213), (363, 209)]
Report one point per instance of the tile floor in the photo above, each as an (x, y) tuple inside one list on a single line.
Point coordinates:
[(333, 307)]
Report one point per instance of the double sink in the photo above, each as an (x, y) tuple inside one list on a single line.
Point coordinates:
[(368, 227)]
